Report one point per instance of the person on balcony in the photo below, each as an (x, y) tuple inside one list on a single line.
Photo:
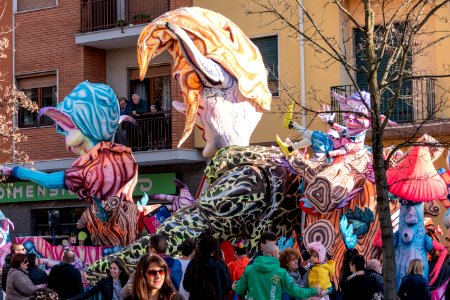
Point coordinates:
[(139, 106), (125, 106)]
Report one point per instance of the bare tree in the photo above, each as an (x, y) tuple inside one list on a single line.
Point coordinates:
[(11, 101), (388, 36)]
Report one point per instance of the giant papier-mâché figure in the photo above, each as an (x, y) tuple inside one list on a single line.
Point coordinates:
[(220, 71), (414, 180), (105, 174), (224, 85)]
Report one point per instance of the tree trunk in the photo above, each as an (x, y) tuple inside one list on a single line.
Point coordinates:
[(384, 216)]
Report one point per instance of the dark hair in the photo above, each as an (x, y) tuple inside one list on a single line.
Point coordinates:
[(140, 288), (188, 246), (44, 294), (159, 243), (267, 236), (17, 259), (345, 267), (207, 247), (240, 251), (359, 262), (31, 261), (285, 257), (158, 106), (124, 274)]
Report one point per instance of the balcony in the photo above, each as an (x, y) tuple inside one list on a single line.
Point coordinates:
[(154, 132), (109, 24), (417, 101), (107, 14)]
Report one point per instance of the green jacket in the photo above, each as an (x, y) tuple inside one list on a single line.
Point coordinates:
[(265, 279)]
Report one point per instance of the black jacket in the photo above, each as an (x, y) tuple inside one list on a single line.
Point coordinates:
[(414, 287), (37, 276), (358, 288), (104, 286), (65, 280), (217, 275), (376, 281), (5, 270)]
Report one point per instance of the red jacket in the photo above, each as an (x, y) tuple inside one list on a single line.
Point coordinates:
[(237, 267)]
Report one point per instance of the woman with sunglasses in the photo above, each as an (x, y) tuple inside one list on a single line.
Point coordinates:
[(19, 286), (152, 280), (109, 287)]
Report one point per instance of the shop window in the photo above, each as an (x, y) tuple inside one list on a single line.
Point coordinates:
[(26, 5), (68, 218), (268, 46), (41, 90)]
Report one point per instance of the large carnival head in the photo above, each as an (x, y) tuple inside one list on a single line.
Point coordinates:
[(222, 76), (355, 111), (4, 229), (88, 115)]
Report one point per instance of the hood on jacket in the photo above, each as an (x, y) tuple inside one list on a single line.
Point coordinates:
[(266, 263), (319, 249)]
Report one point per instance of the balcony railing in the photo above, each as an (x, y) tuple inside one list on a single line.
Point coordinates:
[(417, 101), (154, 132), (107, 14)]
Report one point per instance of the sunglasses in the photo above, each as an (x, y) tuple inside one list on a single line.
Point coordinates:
[(160, 272), (25, 261)]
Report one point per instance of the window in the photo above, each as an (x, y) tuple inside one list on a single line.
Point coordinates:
[(268, 46), (154, 88), (25, 5), (403, 110), (41, 90), (68, 218)]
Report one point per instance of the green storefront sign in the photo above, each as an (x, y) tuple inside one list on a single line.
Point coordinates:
[(161, 183)]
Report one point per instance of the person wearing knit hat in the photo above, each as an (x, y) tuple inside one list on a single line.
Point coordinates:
[(321, 270), (240, 252)]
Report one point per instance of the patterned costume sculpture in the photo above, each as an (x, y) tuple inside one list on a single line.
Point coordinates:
[(221, 74), (105, 174), (415, 180)]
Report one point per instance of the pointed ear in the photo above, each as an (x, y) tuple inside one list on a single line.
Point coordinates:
[(62, 119), (10, 223)]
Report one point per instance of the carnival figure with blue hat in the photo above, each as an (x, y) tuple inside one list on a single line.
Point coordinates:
[(105, 174)]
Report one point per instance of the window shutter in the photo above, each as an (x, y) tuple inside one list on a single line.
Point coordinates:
[(24, 5), (40, 81), (153, 71), (268, 46)]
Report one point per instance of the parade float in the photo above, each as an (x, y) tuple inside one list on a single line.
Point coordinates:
[(250, 189)]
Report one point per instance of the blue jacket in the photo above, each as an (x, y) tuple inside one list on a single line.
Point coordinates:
[(414, 287), (176, 272)]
